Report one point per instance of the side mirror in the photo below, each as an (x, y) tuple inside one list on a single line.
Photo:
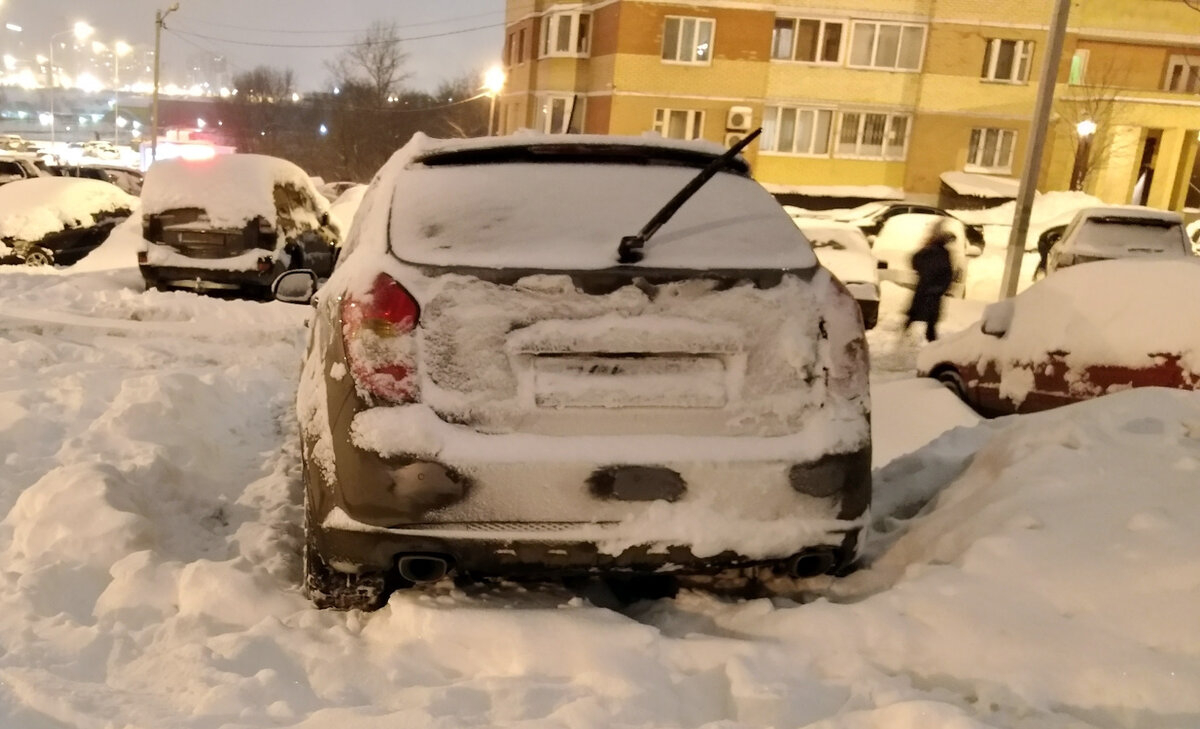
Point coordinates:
[(295, 287), (997, 318)]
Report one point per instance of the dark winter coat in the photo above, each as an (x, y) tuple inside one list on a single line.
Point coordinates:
[(934, 276)]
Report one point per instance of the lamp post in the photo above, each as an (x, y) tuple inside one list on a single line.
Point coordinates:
[(493, 83), (1085, 130), (159, 17), (82, 31)]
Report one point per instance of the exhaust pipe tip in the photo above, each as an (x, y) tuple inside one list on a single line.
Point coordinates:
[(811, 563), (423, 568)]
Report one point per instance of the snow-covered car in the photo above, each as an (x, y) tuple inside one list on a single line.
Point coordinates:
[(233, 222), (333, 190), (58, 220), (15, 167), (1193, 230), (1120, 231), (844, 250), (871, 218), (1081, 333), (490, 391), (903, 235), (343, 209)]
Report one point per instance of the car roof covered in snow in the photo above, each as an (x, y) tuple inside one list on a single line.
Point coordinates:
[(231, 188), (34, 208), (548, 202), (1131, 212), (841, 247), (1075, 310)]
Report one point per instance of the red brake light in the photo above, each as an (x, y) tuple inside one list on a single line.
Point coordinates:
[(380, 350)]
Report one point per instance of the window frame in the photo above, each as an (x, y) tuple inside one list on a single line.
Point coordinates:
[(1023, 51), (974, 161), (543, 120), (820, 40), (854, 26), (551, 29), (1185, 62), (776, 125), (891, 116), (679, 44), (1086, 55), (694, 122)]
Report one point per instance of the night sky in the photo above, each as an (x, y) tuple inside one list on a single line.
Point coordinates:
[(430, 60)]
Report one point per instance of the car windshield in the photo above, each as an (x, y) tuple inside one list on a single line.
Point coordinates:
[(1118, 235), (555, 215)]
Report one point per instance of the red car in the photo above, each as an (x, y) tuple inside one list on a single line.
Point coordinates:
[(1084, 332)]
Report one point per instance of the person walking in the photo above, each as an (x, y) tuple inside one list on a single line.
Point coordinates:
[(934, 275)]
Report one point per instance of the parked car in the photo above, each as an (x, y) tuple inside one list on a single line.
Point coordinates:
[(1100, 234), (333, 190), (1193, 230), (58, 220), (232, 223), (871, 218), (1069, 338), (843, 249), (903, 235), (490, 391), (127, 179), (18, 166)]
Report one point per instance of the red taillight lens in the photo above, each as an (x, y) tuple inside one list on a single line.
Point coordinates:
[(380, 348), (265, 265)]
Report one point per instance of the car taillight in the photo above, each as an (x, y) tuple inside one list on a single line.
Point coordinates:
[(143, 258), (380, 348), (265, 265)]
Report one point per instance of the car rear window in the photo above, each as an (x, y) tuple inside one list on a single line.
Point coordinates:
[(572, 216), (1118, 235)]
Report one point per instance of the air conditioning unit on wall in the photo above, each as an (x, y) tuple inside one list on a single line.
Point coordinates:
[(739, 119), (732, 138)]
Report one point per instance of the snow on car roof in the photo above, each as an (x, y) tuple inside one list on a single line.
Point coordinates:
[(231, 188), (1130, 212), (1118, 313), (571, 213), (422, 146), (34, 208)]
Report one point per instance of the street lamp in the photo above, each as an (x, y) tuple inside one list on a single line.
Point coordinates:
[(159, 17), (493, 83), (1085, 130), (82, 31)]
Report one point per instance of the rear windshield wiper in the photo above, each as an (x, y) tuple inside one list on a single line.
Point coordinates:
[(630, 248)]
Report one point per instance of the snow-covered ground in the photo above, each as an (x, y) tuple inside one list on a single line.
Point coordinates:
[(149, 557)]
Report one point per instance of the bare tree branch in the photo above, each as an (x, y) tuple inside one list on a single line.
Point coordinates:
[(375, 61)]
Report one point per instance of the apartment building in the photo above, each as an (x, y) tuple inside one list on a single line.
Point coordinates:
[(874, 97)]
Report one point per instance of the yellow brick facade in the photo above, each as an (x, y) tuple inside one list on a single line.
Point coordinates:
[(1144, 148)]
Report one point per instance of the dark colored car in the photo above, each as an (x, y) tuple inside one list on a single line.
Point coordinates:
[(871, 217), (52, 220), (501, 382), (127, 179), (1069, 338), (13, 168), (232, 223)]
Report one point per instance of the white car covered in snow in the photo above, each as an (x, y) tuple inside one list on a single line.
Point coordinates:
[(233, 222), (844, 250), (1119, 231), (903, 235), (57, 220), (506, 378)]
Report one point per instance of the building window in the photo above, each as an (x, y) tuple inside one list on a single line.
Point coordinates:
[(1079, 61), (872, 135), (791, 130), (566, 34), (991, 150), (521, 46), (508, 48), (1183, 74), (679, 123), (688, 40), (1007, 60), (560, 114), (887, 45), (808, 40)]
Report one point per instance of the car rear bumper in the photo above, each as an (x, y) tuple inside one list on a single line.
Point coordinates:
[(206, 279)]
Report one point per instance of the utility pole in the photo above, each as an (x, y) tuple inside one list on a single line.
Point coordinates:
[(1033, 153), (159, 17)]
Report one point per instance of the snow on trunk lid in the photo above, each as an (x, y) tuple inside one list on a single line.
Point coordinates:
[(695, 355)]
